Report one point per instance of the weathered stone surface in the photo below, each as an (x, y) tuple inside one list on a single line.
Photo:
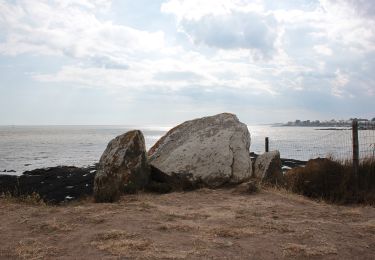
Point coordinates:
[(210, 151), (54, 185), (286, 164), (123, 167), (267, 167)]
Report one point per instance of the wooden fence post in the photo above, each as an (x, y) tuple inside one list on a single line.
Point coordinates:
[(355, 149), (266, 144)]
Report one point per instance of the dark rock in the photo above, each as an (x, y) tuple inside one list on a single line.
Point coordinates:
[(285, 162), (54, 185), (159, 187), (123, 167), (292, 163), (267, 168), (173, 182), (8, 184)]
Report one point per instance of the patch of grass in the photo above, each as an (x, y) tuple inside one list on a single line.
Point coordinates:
[(54, 225), (33, 249), (272, 226), (175, 227), (33, 199), (300, 250), (119, 242), (368, 227), (145, 206), (235, 233), (334, 181), (173, 216)]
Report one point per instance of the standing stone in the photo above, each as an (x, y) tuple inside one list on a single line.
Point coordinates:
[(209, 151), (122, 167), (267, 168)]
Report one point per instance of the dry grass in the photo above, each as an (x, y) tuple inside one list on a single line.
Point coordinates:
[(130, 245), (300, 250), (368, 227), (33, 199), (334, 181), (120, 242), (54, 225), (203, 224), (172, 216), (176, 227), (235, 233), (33, 249)]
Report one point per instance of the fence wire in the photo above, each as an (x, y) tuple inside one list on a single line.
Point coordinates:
[(337, 144), (366, 136)]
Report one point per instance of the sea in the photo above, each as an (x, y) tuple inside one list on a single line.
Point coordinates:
[(24, 148)]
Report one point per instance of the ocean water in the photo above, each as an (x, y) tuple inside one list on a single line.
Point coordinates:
[(30, 147)]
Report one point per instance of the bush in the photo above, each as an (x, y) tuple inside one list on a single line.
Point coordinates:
[(334, 181)]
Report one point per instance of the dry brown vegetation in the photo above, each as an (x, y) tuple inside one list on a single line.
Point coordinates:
[(203, 224), (334, 181)]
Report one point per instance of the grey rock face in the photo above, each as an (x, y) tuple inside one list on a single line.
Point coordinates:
[(122, 167), (209, 151), (267, 168)]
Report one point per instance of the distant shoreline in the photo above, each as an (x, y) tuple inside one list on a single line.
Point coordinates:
[(326, 127)]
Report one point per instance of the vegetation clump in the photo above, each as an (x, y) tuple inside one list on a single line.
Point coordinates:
[(335, 181)]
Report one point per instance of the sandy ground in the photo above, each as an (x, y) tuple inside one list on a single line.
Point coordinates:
[(204, 224)]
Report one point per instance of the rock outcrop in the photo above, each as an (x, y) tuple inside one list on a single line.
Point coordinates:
[(267, 168), (122, 168), (210, 151), (54, 185)]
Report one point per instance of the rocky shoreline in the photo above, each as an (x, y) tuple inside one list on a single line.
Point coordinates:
[(54, 185), (61, 184), (208, 152)]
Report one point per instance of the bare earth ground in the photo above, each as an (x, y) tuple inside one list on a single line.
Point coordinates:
[(204, 224)]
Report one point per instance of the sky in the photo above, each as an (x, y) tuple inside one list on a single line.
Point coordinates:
[(161, 62)]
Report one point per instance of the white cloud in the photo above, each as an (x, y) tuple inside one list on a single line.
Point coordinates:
[(196, 9), (222, 24), (166, 75), (339, 83), (71, 28), (237, 44), (322, 49)]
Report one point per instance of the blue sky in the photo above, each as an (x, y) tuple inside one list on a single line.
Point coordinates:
[(160, 62)]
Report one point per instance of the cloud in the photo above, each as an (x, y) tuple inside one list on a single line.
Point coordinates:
[(322, 49), (361, 7), (226, 25), (224, 53), (177, 76), (237, 30), (73, 29), (339, 83)]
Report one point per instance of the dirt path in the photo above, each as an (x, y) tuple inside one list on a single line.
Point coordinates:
[(204, 224)]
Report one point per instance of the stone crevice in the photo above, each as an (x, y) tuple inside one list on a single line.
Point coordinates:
[(232, 163)]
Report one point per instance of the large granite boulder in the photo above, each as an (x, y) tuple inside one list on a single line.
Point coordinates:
[(123, 167), (209, 151), (267, 168)]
